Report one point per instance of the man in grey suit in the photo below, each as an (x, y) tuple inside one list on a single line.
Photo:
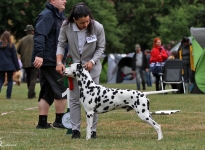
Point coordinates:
[(86, 42)]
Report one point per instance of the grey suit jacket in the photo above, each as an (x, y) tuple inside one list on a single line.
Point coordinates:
[(93, 50)]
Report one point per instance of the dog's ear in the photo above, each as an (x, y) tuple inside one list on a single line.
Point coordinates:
[(79, 67)]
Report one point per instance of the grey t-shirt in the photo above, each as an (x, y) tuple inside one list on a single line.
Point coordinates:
[(139, 59)]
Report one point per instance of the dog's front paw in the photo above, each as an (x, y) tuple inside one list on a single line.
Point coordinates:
[(88, 136)]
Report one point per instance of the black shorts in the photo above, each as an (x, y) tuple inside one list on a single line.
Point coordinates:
[(51, 88)]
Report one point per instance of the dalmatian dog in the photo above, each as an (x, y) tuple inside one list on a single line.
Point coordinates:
[(99, 99)]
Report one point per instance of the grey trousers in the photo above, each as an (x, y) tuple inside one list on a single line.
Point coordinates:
[(75, 107)]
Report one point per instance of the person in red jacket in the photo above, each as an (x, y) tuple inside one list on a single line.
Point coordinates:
[(158, 55)]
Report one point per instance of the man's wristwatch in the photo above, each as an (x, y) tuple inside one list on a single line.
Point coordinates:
[(59, 63)]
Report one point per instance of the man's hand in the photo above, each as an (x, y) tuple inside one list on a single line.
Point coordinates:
[(38, 62), (60, 68)]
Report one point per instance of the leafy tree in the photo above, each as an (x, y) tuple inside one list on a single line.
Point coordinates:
[(170, 20), (138, 21), (16, 15), (180, 18), (126, 22)]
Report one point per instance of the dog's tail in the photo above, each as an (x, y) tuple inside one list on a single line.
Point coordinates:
[(158, 92)]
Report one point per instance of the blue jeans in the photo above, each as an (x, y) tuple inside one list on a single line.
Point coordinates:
[(10, 82), (148, 78), (140, 74)]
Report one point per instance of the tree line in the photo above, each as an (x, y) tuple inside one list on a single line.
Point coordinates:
[(126, 22)]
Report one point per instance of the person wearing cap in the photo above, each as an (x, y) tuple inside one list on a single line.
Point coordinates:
[(25, 49), (139, 66)]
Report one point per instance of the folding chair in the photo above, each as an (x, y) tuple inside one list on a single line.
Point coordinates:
[(172, 73)]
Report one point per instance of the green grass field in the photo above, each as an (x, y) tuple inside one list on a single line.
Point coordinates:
[(117, 130)]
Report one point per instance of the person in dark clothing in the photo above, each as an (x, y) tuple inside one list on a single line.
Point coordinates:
[(25, 49), (139, 66), (8, 62), (148, 73), (185, 53), (47, 30)]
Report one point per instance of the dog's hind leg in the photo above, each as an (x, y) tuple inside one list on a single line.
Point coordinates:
[(89, 119), (147, 118)]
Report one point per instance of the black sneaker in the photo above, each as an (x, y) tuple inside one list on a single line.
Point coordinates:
[(48, 125), (58, 125), (75, 134), (94, 135)]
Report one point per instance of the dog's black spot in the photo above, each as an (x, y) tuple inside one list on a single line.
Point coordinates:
[(79, 84), (105, 100), (143, 105), (97, 99), (112, 97), (131, 97), (138, 102), (106, 108), (83, 99), (154, 123), (89, 102), (81, 94), (98, 93), (129, 108), (143, 110), (98, 105), (121, 92), (88, 84), (114, 93), (142, 95), (126, 102), (106, 96), (148, 104), (104, 92), (111, 102), (147, 118), (91, 89)]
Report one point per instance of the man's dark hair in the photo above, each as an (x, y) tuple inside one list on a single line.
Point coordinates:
[(185, 40), (78, 11)]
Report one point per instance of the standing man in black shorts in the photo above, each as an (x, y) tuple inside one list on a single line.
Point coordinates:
[(46, 34)]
